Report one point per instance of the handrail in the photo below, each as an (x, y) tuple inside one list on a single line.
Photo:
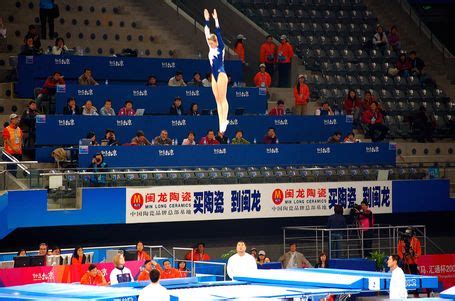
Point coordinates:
[(15, 161)]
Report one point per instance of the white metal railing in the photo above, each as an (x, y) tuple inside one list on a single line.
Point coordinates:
[(16, 162)]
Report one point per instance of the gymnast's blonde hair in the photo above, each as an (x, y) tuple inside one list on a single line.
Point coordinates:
[(212, 37)]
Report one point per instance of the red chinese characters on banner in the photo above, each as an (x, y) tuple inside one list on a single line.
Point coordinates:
[(308, 193), (441, 265)]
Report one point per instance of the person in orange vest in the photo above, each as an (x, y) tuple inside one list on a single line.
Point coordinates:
[(284, 58), (183, 270), (239, 48), (141, 254), (12, 140), (169, 271), (198, 254), (301, 96), (93, 277), (267, 55), (262, 78), (148, 266)]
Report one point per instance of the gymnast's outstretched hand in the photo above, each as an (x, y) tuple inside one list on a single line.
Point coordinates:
[(206, 15)]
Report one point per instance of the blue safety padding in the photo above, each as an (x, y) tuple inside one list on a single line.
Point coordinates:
[(270, 266), (448, 293), (361, 264)]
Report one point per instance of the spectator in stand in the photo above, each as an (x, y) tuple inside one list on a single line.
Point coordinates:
[(350, 138), (78, 256), (222, 138), (91, 135), (380, 39), (336, 221), (403, 65), (107, 109), (294, 259), (267, 55), (279, 110), (397, 286), (28, 123), (86, 79), (207, 81), (198, 254), (394, 39), (98, 165), (241, 261), (154, 291), (270, 137), (149, 265), (22, 252), (335, 138), (168, 271), (196, 81), (417, 64), (194, 110), (109, 138), (151, 81), (42, 251), (47, 93), (238, 139), (209, 139), (239, 48), (301, 96), (177, 80), (162, 139), (352, 104), (422, 125), (140, 139), (262, 258), (88, 109), (93, 277), (12, 142), (374, 123), (365, 219), (254, 253), (284, 58), (324, 110), (368, 98), (141, 254), (177, 107), (189, 140), (47, 15), (127, 110), (71, 107), (262, 78), (32, 33), (183, 271), (120, 273), (323, 262), (59, 48), (29, 48)]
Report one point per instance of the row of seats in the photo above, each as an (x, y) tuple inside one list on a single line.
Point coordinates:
[(31, 5), (374, 60), (322, 28), (309, 4)]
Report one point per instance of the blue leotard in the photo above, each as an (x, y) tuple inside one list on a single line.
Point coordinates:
[(216, 55)]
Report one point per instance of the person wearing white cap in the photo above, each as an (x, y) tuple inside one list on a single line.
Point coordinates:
[(262, 258), (284, 56), (12, 140), (262, 78), (239, 48)]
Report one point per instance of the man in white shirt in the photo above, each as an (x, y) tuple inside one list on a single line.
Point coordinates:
[(241, 262), (398, 282), (154, 291)]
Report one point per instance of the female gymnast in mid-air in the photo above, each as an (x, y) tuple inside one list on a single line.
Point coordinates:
[(219, 76)]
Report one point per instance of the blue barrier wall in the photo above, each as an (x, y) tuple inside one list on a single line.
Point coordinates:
[(158, 100), (67, 130), (33, 70), (242, 155)]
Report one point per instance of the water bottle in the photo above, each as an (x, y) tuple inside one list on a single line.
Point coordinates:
[(176, 142), (254, 140), (277, 142), (266, 113), (228, 141), (211, 112), (106, 82)]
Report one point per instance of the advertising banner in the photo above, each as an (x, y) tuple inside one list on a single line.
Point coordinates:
[(441, 265)]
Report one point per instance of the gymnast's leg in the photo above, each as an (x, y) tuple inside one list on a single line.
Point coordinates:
[(222, 84), (219, 107)]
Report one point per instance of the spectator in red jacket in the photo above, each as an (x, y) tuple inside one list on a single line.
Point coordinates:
[(209, 139), (239, 48), (262, 78), (352, 103), (270, 137), (404, 65), (148, 266), (267, 54), (46, 97), (198, 253), (141, 254), (394, 39), (183, 270), (279, 110), (368, 98), (284, 56), (93, 277), (301, 96), (127, 110), (374, 123), (168, 271)]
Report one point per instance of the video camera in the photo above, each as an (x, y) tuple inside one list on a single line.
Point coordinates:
[(406, 237)]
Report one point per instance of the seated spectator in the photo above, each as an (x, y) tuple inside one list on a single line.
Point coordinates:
[(394, 39), (149, 265), (262, 258), (380, 39), (177, 80), (189, 140), (22, 252), (294, 259), (127, 110), (28, 123), (403, 65), (93, 277), (140, 139), (270, 137), (86, 79), (222, 138), (194, 110), (279, 110), (209, 139), (239, 138), (196, 81), (417, 64), (177, 107), (183, 271), (151, 81), (335, 138), (141, 254), (56, 251), (88, 109), (352, 103), (78, 256), (198, 253), (59, 48), (109, 138), (98, 165), (42, 250), (71, 107), (262, 78), (33, 34), (323, 261), (120, 273), (47, 93), (91, 135), (422, 126), (301, 96), (324, 110), (162, 139), (169, 271), (368, 98), (254, 253), (350, 138), (107, 109), (374, 123), (29, 48), (207, 81)]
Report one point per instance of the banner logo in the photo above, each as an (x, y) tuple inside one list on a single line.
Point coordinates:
[(277, 196), (137, 201)]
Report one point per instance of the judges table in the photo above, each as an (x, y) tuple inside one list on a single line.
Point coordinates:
[(33, 70), (158, 100)]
